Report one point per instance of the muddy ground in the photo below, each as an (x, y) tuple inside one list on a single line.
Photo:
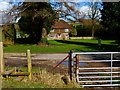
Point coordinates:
[(41, 64)]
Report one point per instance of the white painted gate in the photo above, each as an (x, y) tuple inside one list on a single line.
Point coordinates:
[(104, 71)]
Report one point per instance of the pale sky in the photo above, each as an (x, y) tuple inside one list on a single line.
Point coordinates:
[(84, 10), (4, 6)]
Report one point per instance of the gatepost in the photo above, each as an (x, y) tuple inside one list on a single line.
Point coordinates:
[(70, 66), (1, 50)]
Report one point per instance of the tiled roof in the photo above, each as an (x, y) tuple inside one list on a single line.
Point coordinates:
[(61, 24)]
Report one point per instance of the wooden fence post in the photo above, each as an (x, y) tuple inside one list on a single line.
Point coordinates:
[(29, 64), (0, 83), (1, 58), (1, 63), (70, 64)]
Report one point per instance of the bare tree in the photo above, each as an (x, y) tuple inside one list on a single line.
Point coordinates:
[(69, 11), (94, 13)]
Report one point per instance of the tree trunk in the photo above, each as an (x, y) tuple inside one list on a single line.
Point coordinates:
[(43, 39), (14, 38), (93, 28), (93, 31), (44, 33)]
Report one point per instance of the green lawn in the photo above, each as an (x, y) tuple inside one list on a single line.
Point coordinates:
[(65, 46), (108, 42)]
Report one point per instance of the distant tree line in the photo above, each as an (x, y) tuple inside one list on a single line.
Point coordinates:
[(84, 28), (111, 20), (107, 27)]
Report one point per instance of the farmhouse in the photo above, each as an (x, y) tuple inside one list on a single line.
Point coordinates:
[(60, 30)]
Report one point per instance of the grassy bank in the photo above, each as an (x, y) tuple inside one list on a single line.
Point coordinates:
[(65, 46), (41, 79)]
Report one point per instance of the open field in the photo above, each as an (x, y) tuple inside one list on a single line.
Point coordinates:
[(65, 46)]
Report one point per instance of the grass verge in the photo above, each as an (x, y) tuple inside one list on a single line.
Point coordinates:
[(65, 46), (41, 79)]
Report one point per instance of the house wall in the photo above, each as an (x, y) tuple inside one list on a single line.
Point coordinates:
[(62, 36), (61, 31), (59, 34), (82, 37)]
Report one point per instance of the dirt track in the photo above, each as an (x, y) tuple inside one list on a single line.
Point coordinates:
[(42, 61), (48, 61)]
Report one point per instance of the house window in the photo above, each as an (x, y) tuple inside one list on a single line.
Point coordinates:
[(59, 35), (51, 35), (52, 30), (67, 35), (66, 30)]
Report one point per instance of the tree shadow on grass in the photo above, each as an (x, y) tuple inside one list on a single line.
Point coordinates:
[(25, 41), (95, 46)]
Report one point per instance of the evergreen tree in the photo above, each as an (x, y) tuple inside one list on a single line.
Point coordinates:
[(36, 20), (111, 19)]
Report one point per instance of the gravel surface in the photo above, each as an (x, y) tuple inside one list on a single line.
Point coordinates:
[(40, 56)]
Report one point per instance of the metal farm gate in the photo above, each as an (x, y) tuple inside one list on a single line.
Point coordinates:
[(98, 69)]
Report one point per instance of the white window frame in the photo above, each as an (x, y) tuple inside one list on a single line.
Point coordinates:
[(66, 30), (52, 30)]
